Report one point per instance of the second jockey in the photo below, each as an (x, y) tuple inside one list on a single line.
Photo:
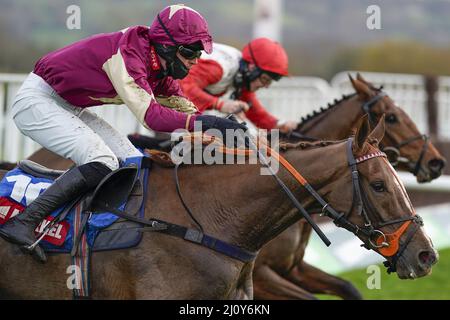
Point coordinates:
[(226, 68)]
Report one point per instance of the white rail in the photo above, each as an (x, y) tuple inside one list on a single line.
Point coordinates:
[(290, 98), (294, 97), (442, 184), (407, 90)]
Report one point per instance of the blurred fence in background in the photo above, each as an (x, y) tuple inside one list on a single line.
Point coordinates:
[(294, 97), (290, 98)]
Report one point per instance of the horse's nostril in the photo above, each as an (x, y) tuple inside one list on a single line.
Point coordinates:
[(427, 258), (436, 165)]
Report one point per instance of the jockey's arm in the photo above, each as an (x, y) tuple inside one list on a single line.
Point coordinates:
[(205, 73), (257, 113), (128, 75), (262, 118)]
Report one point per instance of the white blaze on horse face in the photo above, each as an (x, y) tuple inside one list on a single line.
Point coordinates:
[(398, 182)]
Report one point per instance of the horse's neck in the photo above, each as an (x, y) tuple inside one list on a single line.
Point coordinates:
[(224, 199), (334, 123), (320, 174), (237, 204)]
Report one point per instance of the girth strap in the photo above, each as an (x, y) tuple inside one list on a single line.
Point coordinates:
[(154, 225), (188, 234), (205, 240), (183, 202), (146, 163)]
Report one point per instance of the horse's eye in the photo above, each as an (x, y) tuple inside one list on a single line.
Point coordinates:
[(378, 186), (391, 118)]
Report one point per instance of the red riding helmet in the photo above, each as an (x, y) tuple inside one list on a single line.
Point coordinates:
[(266, 54)]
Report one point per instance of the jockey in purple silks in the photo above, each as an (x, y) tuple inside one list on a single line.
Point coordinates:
[(134, 67)]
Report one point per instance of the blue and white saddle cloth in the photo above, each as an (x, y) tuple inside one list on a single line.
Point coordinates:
[(19, 188)]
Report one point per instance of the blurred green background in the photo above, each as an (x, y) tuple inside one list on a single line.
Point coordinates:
[(432, 287), (322, 37)]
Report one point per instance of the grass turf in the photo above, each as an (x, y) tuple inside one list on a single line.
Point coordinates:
[(435, 286)]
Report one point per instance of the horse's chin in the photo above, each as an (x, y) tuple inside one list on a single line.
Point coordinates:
[(411, 272), (424, 176)]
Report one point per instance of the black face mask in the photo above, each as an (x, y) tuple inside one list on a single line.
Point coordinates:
[(174, 66), (177, 69), (243, 78)]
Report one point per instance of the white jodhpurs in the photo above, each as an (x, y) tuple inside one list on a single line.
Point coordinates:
[(71, 132)]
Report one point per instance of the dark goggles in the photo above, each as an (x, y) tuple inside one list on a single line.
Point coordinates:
[(189, 53), (274, 76)]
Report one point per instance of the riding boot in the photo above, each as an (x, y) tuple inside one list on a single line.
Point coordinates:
[(73, 183)]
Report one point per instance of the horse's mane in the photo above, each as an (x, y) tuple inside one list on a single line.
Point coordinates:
[(315, 114), (284, 146), (336, 102), (164, 160)]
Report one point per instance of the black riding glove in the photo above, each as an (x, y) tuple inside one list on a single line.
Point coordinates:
[(236, 130)]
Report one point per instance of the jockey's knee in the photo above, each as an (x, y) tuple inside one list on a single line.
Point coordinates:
[(109, 161), (112, 163), (93, 149)]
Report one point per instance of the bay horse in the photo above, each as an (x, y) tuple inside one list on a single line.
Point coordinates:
[(165, 267), (417, 153), (280, 271)]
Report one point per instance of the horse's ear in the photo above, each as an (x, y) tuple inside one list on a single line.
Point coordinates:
[(361, 88), (360, 78), (362, 132), (350, 77), (377, 133)]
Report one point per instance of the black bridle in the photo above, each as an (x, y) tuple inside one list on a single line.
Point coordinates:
[(365, 209), (395, 149), (394, 154), (375, 238)]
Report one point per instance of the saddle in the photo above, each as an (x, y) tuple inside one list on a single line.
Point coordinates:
[(123, 188), (37, 170)]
